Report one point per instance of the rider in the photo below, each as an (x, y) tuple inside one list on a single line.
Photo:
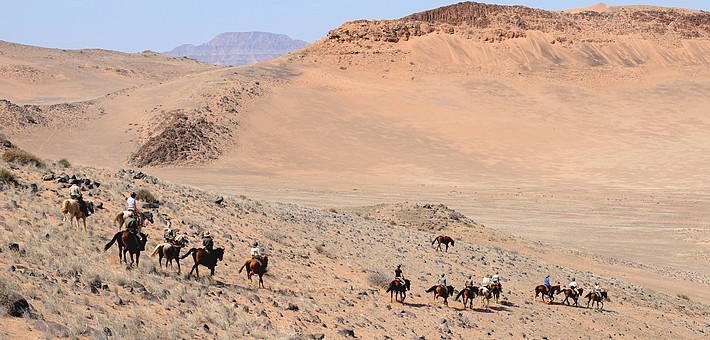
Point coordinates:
[(495, 278), (441, 281), (75, 194), (132, 203), (255, 252), (573, 285), (207, 241), (398, 276), (547, 282), (131, 224), (169, 234), (596, 288), (469, 284), (486, 281)]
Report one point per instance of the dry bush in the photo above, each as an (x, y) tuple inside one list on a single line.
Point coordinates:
[(7, 177), (64, 163), (19, 156), (145, 195), (683, 296), (379, 279)]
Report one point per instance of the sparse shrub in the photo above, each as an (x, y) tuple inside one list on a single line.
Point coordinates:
[(379, 279), (7, 177), (456, 216), (64, 163), (31, 119), (145, 196), (19, 156), (333, 210), (683, 296)]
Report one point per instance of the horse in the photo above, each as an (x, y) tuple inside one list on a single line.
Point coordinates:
[(255, 266), (396, 287), (569, 293), (542, 290), (202, 257), (71, 207), (171, 251), (443, 239), (142, 217), (597, 297), (469, 293), (128, 242), (496, 289), (440, 291), (485, 294)]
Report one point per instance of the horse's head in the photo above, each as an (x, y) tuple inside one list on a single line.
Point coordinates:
[(148, 216), (406, 284), (220, 253), (450, 290), (90, 206), (181, 240)]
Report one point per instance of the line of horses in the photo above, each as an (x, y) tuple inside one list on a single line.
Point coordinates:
[(131, 245), (597, 298), (398, 291)]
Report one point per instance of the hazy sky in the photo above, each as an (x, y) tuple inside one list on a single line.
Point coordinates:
[(160, 25)]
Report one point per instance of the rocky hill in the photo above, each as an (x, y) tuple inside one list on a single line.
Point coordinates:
[(239, 48), (327, 271)]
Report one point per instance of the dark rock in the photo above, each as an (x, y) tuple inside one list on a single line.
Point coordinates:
[(87, 182), (96, 184), (33, 187), (317, 336), (153, 205), (14, 247), (16, 305), (139, 175), (99, 205), (11, 205), (219, 200), (107, 331), (292, 307), (49, 177), (52, 328), (347, 332)]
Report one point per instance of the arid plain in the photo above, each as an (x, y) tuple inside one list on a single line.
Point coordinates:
[(588, 148)]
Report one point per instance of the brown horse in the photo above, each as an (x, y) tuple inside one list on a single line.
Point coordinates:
[(485, 295), (128, 242), (70, 207), (255, 266), (171, 251), (569, 293), (443, 239), (543, 291), (142, 217), (441, 291), (469, 293), (396, 287), (496, 289), (597, 297), (202, 257)]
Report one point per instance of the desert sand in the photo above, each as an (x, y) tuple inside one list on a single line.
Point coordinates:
[(585, 152)]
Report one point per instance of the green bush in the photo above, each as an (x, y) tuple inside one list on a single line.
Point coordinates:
[(683, 296), (7, 177), (19, 156), (145, 196), (31, 119)]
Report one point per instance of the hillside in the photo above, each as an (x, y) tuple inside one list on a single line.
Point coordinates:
[(239, 48), (326, 277)]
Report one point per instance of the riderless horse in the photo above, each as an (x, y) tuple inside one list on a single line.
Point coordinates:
[(443, 239)]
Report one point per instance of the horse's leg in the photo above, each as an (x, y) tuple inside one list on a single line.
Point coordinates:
[(261, 281), (212, 271), (138, 258), (197, 270), (177, 260)]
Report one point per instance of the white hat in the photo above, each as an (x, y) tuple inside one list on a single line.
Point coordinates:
[(206, 234)]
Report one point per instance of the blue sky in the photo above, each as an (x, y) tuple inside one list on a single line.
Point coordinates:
[(160, 25)]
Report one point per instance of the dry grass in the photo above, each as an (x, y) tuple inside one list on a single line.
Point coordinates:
[(145, 195), (19, 156), (63, 163), (7, 177)]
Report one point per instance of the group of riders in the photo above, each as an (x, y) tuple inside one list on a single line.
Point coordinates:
[(134, 225), (441, 280), (572, 285)]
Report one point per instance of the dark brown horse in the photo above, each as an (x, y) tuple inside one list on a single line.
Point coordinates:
[(597, 297), (255, 266), (441, 291), (468, 293), (170, 251), (396, 288), (443, 239), (496, 289), (569, 293), (550, 293), (202, 257), (128, 242)]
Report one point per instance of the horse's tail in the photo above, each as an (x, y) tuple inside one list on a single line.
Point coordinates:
[(434, 241), (114, 239), (156, 250), (244, 265), (431, 289), (65, 207), (192, 250), (459, 294)]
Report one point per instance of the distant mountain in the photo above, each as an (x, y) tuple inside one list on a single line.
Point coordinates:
[(239, 48)]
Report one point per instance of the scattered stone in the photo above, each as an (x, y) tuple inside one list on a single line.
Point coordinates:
[(14, 247), (317, 336), (292, 307), (49, 177), (52, 328), (219, 200), (15, 304), (347, 332)]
